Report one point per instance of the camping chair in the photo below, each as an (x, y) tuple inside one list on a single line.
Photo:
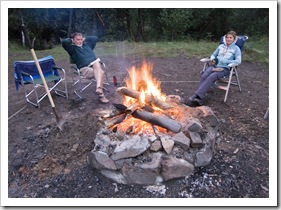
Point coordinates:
[(226, 82), (79, 80), (27, 74)]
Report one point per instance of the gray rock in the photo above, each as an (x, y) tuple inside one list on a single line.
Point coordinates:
[(194, 125), (156, 146), (204, 156), (167, 144), (130, 148), (135, 175), (154, 164), (196, 140), (174, 168), (100, 160), (114, 175), (182, 140)]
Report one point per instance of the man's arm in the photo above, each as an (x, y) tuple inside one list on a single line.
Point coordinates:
[(92, 40), (66, 44)]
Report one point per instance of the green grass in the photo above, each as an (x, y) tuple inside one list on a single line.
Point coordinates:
[(255, 50)]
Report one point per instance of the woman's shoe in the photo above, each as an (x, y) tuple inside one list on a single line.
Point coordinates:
[(191, 98), (198, 102)]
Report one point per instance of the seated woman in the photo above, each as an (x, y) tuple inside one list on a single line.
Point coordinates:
[(226, 53), (80, 50)]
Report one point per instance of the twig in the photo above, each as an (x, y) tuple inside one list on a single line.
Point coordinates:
[(17, 112), (179, 81), (100, 18)]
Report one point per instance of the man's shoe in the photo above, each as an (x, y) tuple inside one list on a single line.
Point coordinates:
[(103, 99), (99, 91)]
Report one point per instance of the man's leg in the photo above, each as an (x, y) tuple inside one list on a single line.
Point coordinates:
[(99, 76)]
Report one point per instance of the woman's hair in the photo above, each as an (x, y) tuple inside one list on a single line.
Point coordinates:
[(233, 33)]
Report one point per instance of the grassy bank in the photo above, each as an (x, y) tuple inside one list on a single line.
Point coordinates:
[(255, 50)]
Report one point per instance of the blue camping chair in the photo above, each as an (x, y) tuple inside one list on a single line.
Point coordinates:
[(26, 74), (225, 83)]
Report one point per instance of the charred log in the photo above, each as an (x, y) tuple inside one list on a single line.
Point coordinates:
[(115, 120), (161, 121), (148, 98)]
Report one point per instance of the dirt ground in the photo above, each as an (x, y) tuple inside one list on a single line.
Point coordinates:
[(46, 163)]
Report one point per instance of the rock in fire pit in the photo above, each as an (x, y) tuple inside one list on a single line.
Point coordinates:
[(152, 139)]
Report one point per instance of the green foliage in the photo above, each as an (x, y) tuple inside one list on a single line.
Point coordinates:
[(255, 50), (175, 22), (48, 25)]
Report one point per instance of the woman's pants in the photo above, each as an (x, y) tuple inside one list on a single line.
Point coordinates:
[(208, 78)]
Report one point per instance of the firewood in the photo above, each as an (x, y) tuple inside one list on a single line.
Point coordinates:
[(115, 120), (133, 107), (113, 113), (161, 121), (148, 98)]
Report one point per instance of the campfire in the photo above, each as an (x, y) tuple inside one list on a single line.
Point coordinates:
[(149, 137), (144, 106)]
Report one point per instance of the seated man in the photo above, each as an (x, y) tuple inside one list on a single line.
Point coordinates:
[(80, 49)]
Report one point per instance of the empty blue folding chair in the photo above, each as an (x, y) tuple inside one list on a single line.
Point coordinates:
[(27, 75)]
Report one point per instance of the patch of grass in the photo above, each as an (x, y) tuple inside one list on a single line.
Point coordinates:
[(255, 50)]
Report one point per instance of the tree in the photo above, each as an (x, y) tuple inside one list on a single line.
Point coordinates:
[(48, 25)]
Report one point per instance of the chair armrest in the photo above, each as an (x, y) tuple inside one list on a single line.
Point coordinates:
[(24, 73), (55, 72), (56, 67), (59, 68), (232, 65), (74, 67), (205, 60)]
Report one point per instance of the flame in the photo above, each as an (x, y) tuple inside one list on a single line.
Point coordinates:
[(142, 80), (142, 97)]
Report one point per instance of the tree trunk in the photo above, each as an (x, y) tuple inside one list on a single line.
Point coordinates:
[(70, 19)]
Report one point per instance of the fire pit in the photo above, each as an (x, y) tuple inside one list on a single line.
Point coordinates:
[(150, 137)]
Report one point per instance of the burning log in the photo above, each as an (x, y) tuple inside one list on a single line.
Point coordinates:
[(113, 113), (148, 98), (115, 120), (133, 107), (161, 121)]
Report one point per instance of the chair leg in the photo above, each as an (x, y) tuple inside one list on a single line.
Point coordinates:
[(237, 79), (228, 85), (266, 114), (62, 92), (28, 94), (79, 82)]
